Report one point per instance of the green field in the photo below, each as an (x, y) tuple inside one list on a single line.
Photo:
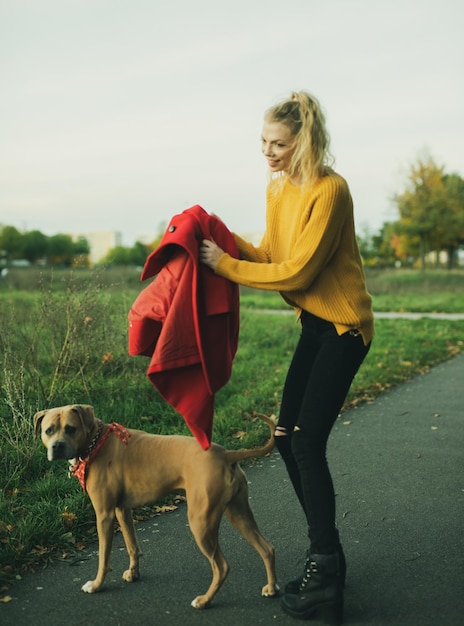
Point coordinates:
[(63, 339)]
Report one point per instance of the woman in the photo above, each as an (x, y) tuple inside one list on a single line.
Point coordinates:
[(310, 255)]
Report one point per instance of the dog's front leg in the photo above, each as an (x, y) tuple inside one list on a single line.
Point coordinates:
[(126, 522), (105, 527)]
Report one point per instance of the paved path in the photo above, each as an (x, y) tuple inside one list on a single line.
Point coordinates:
[(389, 315), (399, 472), (410, 315)]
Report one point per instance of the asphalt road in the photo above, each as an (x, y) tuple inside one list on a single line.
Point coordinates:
[(399, 474)]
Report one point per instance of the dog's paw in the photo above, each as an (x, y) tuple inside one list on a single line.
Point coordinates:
[(131, 575), (200, 602), (89, 587), (270, 591)]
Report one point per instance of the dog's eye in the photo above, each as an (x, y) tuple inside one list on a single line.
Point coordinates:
[(49, 431), (70, 430)]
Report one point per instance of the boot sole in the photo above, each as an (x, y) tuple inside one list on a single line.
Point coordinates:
[(330, 613)]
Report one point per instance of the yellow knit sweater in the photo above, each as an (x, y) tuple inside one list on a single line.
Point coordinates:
[(309, 254)]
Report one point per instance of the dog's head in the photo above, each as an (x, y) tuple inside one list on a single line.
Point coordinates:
[(65, 430)]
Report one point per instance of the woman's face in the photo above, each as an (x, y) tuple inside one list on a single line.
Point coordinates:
[(278, 146)]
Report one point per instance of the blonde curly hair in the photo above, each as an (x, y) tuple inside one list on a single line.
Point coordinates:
[(303, 115)]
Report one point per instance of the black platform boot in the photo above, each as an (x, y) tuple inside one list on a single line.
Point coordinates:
[(320, 595), (294, 586)]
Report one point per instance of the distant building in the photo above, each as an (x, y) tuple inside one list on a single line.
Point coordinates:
[(440, 258), (147, 237), (100, 243)]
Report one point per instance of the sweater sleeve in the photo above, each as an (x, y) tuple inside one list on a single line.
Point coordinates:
[(311, 252), (249, 252)]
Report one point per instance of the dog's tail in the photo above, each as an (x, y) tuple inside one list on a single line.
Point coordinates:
[(235, 456)]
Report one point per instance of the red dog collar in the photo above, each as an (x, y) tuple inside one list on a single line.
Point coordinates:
[(79, 469)]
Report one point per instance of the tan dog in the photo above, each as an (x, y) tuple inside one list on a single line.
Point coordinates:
[(134, 468)]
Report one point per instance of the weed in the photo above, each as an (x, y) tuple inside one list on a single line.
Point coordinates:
[(64, 340)]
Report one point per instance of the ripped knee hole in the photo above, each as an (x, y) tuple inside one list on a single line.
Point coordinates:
[(281, 431)]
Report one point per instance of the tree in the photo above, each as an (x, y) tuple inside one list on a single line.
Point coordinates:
[(452, 223), (80, 252), (405, 247), (420, 203), (382, 243), (81, 246), (61, 250), (431, 210), (34, 245), (375, 248), (117, 256), (139, 253), (11, 242)]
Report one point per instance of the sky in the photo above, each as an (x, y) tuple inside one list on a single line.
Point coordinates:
[(118, 114)]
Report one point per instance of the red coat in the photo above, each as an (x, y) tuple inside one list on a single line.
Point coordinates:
[(187, 320)]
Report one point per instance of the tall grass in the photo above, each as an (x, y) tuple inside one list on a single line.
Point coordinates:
[(395, 290), (63, 339)]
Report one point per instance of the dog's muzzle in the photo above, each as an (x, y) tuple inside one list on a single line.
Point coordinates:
[(59, 450)]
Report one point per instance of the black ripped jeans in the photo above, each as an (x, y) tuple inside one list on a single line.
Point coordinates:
[(320, 375)]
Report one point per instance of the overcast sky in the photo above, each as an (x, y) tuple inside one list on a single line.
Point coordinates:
[(118, 114)]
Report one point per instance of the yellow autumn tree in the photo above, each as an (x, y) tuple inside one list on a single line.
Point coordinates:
[(421, 205)]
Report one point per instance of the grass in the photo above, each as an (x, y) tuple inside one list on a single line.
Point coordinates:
[(63, 339), (399, 290)]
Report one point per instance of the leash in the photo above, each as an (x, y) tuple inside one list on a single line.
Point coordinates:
[(80, 468)]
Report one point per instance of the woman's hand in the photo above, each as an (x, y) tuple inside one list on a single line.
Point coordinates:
[(210, 253)]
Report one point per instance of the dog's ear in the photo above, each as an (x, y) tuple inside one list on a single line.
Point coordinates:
[(38, 417), (86, 415)]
